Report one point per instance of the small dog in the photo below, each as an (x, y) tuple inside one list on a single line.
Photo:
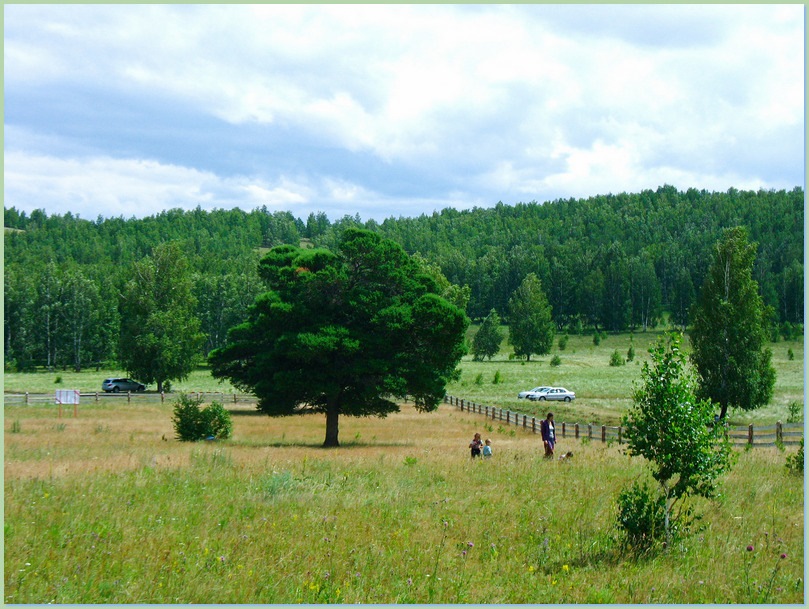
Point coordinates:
[(565, 456)]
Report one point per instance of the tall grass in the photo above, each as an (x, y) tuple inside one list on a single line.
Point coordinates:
[(108, 511)]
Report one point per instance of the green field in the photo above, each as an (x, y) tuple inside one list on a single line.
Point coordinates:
[(603, 392), (109, 508)]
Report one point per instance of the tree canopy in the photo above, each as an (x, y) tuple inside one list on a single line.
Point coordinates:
[(612, 262), (344, 333), (160, 335), (531, 327), (488, 338), (730, 328)]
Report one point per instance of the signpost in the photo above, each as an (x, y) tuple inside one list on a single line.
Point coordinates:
[(68, 396)]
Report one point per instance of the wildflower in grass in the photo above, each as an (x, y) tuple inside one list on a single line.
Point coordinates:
[(565, 568), (783, 556), (749, 548), (409, 581)]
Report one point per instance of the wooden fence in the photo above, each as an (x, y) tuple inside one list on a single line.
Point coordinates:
[(33, 399), (740, 435)]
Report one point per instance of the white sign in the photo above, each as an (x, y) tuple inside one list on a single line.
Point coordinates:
[(67, 396)]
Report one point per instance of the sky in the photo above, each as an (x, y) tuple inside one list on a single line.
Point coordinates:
[(393, 110)]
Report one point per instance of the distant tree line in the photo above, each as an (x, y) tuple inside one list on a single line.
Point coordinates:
[(604, 263)]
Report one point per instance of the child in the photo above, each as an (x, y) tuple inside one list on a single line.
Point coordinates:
[(487, 449), (475, 445)]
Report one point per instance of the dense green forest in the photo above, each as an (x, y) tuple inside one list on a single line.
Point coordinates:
[(606, 263)]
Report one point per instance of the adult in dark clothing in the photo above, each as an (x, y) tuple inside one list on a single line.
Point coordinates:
[(548, 435)]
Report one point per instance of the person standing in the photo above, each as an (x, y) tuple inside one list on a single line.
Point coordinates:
[(548, 435), (487, 449), (476, 445)]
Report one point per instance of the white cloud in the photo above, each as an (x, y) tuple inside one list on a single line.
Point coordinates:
[(481, 103)]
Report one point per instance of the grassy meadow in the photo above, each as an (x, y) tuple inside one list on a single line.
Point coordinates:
[(109, 508), (604, 392)]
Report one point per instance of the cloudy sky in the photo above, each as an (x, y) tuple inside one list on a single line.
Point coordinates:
[(393, 110)]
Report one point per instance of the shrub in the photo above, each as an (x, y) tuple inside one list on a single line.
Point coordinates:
[(556, 361), (479, 379), (597, 338), (630, 354), (192, 423), (795, 462), (563, 342), (616, 359), (497, 378), (641, 516), (790, 354), (795, 411)]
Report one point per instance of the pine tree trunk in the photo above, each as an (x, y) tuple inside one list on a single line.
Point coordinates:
[(332, 419)]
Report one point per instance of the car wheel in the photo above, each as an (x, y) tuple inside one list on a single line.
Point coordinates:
[(141, 389), (116, 389), (567, 398), (542, 398)]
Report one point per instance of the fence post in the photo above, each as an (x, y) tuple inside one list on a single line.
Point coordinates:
[(524, 421), (26, 397), (508, 417), (750, 434), (779, 432), (534, 424), (577, 431), (589, 431), (620, 429), (604, 433), (128, 397), (96, 396), (162, 397), (563, 429), (461, 405)]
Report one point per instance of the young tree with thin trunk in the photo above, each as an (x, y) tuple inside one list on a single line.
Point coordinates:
[(344, 333), (675, 431), (730, 325)]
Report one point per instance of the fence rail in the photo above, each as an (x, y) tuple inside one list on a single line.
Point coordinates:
[(739, 435), (32, 399)]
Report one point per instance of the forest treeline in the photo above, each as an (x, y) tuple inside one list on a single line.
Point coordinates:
[(606, 263)]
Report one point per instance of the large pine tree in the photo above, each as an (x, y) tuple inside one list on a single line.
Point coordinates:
[(344, 333)]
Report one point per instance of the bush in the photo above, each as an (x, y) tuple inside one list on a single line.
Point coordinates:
[(795, 462), (795, 411), (563, 342), (641, 516), (556, 361), (497, 378), (616, 359), (192, 423)]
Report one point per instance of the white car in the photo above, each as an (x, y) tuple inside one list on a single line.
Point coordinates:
[(524, 394), (553, 393)]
